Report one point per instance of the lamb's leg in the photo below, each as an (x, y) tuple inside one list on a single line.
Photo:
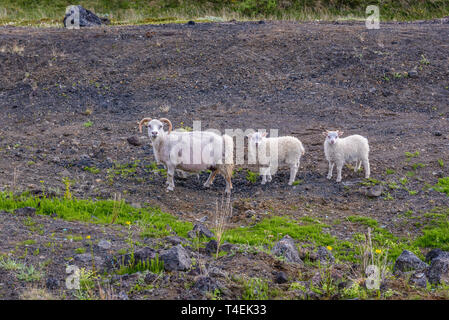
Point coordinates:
[(331, 168), (366, 168), (293, 171), (264, 172), (170, 178), (339, 168), (211, 178)]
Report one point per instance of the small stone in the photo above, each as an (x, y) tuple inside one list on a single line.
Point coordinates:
[(206, 284), (324, 255), (211, 247), (104, 244), (413, 73), (418, 279), (200, 230), (191, 23), (437, 134), (51, 283), (286, 248), (375, 191), (438, 272), (134, 141), (280, 277), (25, 211)]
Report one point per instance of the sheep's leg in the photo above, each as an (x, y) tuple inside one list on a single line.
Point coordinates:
[(366, 167), (358, 163), (331, 168), (170, 178), (210, 179), (339, 168), (227, 174), (293, 171), (263, 173)]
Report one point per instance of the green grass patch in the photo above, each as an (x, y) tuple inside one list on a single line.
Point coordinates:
[(442, 185), (152, 220)]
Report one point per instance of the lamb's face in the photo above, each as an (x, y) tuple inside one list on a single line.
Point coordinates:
[(257, 137), (155, 128), (332, 136)]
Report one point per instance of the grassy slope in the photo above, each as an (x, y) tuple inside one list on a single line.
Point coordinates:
[(51, 12)]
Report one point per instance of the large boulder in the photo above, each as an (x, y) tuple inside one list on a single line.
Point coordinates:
[(438, 272), (286, 248), (86, 17), (176, 258), (408, 261)]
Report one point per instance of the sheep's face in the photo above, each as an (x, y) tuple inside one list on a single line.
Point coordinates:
[(332, 136), (155, 129), (257, 137)]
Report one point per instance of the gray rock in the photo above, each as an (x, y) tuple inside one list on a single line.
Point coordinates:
[(432, 254), (375, 191), (413, 73), (286, 248), (51, 283), (280, 277), (418, 279), (227, 247), (201, 230), (105, 244), (211, 247), (26, 211), (438, 272), (206, 284), (134, 141), (324, 255), (408, 261), (175, 240), (86, 18), (87, 258), (176, 258)]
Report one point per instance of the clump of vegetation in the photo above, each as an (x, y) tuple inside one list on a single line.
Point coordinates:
[(152, 220), (251, 176), (442, 185), (255, 289)]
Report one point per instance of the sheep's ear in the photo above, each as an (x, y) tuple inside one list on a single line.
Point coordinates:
[(249, 135), (340, 133), (324, 134), (264, 134)]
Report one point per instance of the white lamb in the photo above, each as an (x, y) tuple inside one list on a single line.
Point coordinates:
[(274, 152), (338, 150)]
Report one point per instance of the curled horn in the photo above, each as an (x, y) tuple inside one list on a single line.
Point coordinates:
[(170, 127), (142, 122)]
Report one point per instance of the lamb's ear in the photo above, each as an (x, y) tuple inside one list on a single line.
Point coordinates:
[(340, 133), (324, 134), (264, 134)]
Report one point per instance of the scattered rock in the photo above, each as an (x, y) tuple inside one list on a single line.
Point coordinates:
[(286, 248), (25, 211), (175, 240), (191, 23), (280, 277), (437, 134), (134, 141), (86, 18), (105, 244), (375, 191), (87, 258), (408, 261), (324, 255), (206, 284), (176, 258), (211, 247), (227, 247), (432, 254), (201, 230), (122, 295), (438, 272), (51, 283), (413, 73), (151, 277), (418, 279)]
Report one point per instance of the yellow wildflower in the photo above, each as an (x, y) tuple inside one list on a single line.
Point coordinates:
[(87, 237), (329, 248), (378, 251)]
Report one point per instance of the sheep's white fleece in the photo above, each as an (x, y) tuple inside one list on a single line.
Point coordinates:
[(353, 148)]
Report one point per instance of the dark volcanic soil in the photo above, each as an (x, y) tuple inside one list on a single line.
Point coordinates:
[(298, 78)]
